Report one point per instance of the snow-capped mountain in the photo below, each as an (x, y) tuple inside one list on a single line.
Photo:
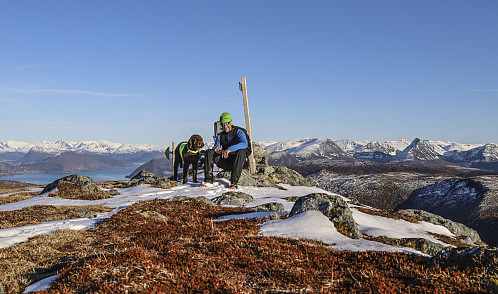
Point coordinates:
[(102, 147), (14, 146), (402, 150), (349, 145), (294, 151), (22, 152), (388, 147), (421, 151), (453, 146), (486, 153)]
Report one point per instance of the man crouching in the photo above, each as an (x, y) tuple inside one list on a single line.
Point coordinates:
[(230, 151)]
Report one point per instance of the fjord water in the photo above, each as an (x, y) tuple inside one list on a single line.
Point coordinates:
[(96, 175)]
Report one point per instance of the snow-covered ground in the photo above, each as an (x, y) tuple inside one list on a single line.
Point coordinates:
[(310, 224), (307, 225)]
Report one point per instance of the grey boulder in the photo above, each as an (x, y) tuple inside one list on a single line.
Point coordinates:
[(470, 236), (334, 207), (233, 198)]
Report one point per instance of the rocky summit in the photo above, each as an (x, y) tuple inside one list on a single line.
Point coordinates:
[(269, 176)]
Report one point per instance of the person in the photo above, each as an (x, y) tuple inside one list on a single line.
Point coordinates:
[(229, 152)]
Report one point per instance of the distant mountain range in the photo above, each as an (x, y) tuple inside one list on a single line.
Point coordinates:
[(62, 156), (14, 151), (313, 150), (18, 157)]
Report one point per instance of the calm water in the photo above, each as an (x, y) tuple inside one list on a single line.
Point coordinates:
[(96, 175)]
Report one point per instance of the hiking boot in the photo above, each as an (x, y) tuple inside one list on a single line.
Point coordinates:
[(234, 187), (207, 183)]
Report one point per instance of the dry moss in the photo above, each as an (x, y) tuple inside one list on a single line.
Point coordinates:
[(16, 186), (43, 213), (190, 253), (449, 240), (12, 199), (68, 190), (18, 191), (40, 257)]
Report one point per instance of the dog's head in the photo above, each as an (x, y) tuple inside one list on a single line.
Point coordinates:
[(195, 142)]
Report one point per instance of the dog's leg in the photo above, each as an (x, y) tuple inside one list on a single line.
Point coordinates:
[(186, 165), (175, 169), (195, 166)]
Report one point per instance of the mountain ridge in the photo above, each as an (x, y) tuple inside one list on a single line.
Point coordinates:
[(69, 161), (291, 152), (299, 150), (101, 146)]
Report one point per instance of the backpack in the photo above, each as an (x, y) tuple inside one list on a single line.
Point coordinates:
[(249, 143)]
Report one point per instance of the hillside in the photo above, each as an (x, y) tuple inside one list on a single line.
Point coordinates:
[(8, 169), (157, 166), (186, 239), (68, 162), (472, 201)]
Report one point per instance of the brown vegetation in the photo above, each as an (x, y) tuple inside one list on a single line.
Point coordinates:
[(12, 198), (43, 213), (18, 191), (188, 252), (40, 257), (450, 240), (135, 182), (18, 186), (71, 191)]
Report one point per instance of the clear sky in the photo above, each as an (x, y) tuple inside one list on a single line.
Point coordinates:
[(153, 72)]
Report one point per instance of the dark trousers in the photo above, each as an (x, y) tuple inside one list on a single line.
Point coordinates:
[(234, 163)]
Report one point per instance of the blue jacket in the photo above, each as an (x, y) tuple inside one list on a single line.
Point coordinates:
[(236, 141)]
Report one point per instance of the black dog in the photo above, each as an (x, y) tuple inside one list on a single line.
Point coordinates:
[(187, 153)]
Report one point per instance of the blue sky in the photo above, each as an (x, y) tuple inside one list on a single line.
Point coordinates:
[(153, 72)]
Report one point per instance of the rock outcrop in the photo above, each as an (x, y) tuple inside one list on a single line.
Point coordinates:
[(272, 206), (269, 176), (86, 183), (233, 198), (145, 177), (464, 233), (470, 201), (75, 187), (334, 207)]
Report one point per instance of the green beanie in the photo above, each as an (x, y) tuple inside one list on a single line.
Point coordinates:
[(225, 118)]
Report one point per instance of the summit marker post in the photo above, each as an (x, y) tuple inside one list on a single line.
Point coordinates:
[(243, 88)]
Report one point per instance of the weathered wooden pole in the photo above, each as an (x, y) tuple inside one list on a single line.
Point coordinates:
[(243, 88), (173, 154)]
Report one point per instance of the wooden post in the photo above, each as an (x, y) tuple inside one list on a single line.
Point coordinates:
[(243, 88), (173, 154)]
